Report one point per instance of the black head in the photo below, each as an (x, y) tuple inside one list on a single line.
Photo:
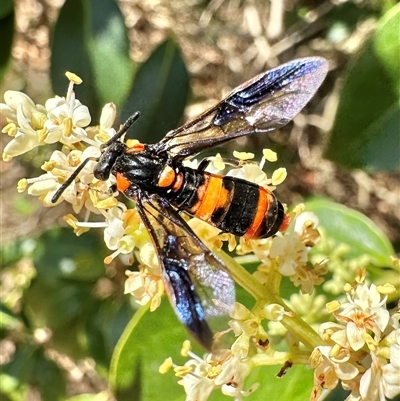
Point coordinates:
[(109, 154), (107, 160)]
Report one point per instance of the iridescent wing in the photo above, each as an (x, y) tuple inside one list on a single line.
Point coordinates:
[(265, 103), (196, 281)]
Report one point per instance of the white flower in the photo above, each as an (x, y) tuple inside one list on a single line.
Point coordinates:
[(26, 124), (253, 173), (364, 312), (304, 220), (328, 372), (145, 287), (382, 379), (221, 370), (66, 120), (289, 253), (115, 229)]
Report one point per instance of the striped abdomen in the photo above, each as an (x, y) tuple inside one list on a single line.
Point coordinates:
[(233, 205)]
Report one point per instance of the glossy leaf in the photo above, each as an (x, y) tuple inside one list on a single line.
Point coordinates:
[(347, 226), (90, 40), (69, 52), (147, 341), (159, 92), (6, 34), (109, 52), (296, 385), (366, 128)]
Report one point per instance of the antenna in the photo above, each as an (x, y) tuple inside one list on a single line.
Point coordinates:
[(124, 128), (71, 178)]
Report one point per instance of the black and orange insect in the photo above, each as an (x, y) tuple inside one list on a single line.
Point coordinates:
[(154, 176)]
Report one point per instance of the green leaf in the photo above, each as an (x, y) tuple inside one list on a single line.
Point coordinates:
[(366, 129), (60, 254), (347, 226), (90, 40), (7, 7), (48, 377), (6, 34), (69, 52), (159, 92), (296, 385), (147, 341), (104, 327), (54, 305), (109, 52)]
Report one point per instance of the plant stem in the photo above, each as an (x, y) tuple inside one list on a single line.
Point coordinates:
[(303, 332)]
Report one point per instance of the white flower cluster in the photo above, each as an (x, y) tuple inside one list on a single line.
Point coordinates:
[(363, 348)]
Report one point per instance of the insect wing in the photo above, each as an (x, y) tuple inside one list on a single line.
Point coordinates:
[(197, 283), (266, 102)]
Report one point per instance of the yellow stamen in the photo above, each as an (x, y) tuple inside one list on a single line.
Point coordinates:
[(80, 230), (360, 275), (71, 220), (22, 184), (386, 289), (186, 347), (278, 176), (67, 127), (270, 155), (6, 157), (243, 155), (107, 203), (10, 129), (214, 371), (42, 135), (218, 163), (332, 306), (181, 371), (73, 78), (49, 165), (166, 366), (102, 137)]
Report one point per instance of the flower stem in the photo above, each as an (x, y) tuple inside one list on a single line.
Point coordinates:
[(303, 332)]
